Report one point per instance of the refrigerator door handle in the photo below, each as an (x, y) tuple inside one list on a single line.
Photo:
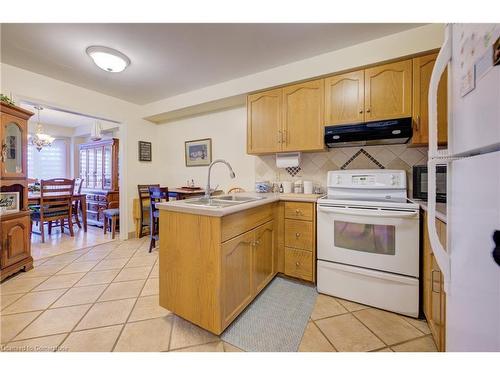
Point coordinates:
[(436, 157)]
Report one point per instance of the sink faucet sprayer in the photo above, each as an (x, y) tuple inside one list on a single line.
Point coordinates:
[(231, 174)]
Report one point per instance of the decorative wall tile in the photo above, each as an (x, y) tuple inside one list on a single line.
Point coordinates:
[(362, 160), (411, 156), (315, 166)]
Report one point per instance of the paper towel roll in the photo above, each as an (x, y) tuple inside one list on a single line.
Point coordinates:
[(288, 160)]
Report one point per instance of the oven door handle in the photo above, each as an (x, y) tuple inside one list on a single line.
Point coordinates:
[(371, 213)]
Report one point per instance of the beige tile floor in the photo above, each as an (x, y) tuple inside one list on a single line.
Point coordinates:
[(105, 298), (60, 243)]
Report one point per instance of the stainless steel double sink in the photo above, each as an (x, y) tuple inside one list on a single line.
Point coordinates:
[(221, 201)]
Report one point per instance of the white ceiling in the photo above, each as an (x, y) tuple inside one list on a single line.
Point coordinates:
[(57, 117), (169, 59)]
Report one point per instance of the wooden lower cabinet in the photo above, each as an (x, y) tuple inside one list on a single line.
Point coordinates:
[(434, 297), (263, 256), (237, 272), (299, 264), (97, 202), (16, 246), (298, 242), (211, 268)]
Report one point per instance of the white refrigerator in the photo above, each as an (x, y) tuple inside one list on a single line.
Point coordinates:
[(471, 265)]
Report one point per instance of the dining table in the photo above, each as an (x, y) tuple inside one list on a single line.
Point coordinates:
[(34, 198)]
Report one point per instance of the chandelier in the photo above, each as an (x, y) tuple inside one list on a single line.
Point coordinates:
[(40, 139)]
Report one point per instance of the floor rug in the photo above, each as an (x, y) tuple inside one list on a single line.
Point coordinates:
[(276, 320)]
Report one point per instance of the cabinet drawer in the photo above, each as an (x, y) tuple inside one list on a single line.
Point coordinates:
[(299, 210), (299, 263), (299, 234)]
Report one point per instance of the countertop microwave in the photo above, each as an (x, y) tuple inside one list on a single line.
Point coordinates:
[(420, 182)]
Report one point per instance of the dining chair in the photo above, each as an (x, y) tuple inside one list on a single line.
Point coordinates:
[(111, 214), (76, 203), (144, 209), (56, 205), (156, 194)]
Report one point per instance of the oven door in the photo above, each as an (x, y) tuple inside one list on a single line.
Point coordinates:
[(374, 238)]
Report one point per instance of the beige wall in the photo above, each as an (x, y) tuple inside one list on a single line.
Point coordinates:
[(227, 129), (389, 47)]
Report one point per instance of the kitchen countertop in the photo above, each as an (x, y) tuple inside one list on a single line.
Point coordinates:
[(181, 206), (440, 209)]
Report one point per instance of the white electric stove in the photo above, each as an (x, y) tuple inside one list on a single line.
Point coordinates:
[(368, 240)]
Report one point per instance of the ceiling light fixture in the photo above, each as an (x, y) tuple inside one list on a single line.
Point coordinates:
[(40, 139), (108, 59)]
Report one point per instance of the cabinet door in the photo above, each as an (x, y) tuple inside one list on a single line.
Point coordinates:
[(91, 167), (422, 70), (264, 134), (303, 116), (13, 147), (15, 240), (236, 275), (388, 91), (263, 259), (108, 173), (99, 168), (344, 98)]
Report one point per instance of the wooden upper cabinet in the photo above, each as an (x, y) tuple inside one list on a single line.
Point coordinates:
[(303, 116), (264, 112), (344, 98), (388, 91), (422, 70)]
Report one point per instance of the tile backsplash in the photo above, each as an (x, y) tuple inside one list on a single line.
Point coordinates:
[(314, 166)]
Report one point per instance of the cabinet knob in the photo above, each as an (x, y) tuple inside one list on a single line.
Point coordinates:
[(297, 234), (297, 264), (298, 212), (368, 110), (360, 111)]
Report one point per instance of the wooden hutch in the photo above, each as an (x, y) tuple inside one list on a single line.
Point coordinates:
[(15, 227), (99, 169)]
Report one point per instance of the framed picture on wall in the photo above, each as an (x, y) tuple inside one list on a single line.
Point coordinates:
[(145, 151), (9, 202), (198, 152)]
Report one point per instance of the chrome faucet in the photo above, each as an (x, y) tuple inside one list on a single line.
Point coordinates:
[(231, 174)]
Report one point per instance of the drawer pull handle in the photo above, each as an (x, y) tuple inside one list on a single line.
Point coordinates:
[(297, 234), (298, 212)]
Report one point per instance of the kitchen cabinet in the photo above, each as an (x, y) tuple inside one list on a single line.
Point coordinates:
[(287, 119), (237, 275), (210, 277), (15, 228), (345, 98), (264, 111), (388, 90), (422, 70), (247, 267), (263, 256), (299, 240), (434, 297), (303, 116)]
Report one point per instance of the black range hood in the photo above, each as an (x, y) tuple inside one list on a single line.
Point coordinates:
[(385, 132)]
